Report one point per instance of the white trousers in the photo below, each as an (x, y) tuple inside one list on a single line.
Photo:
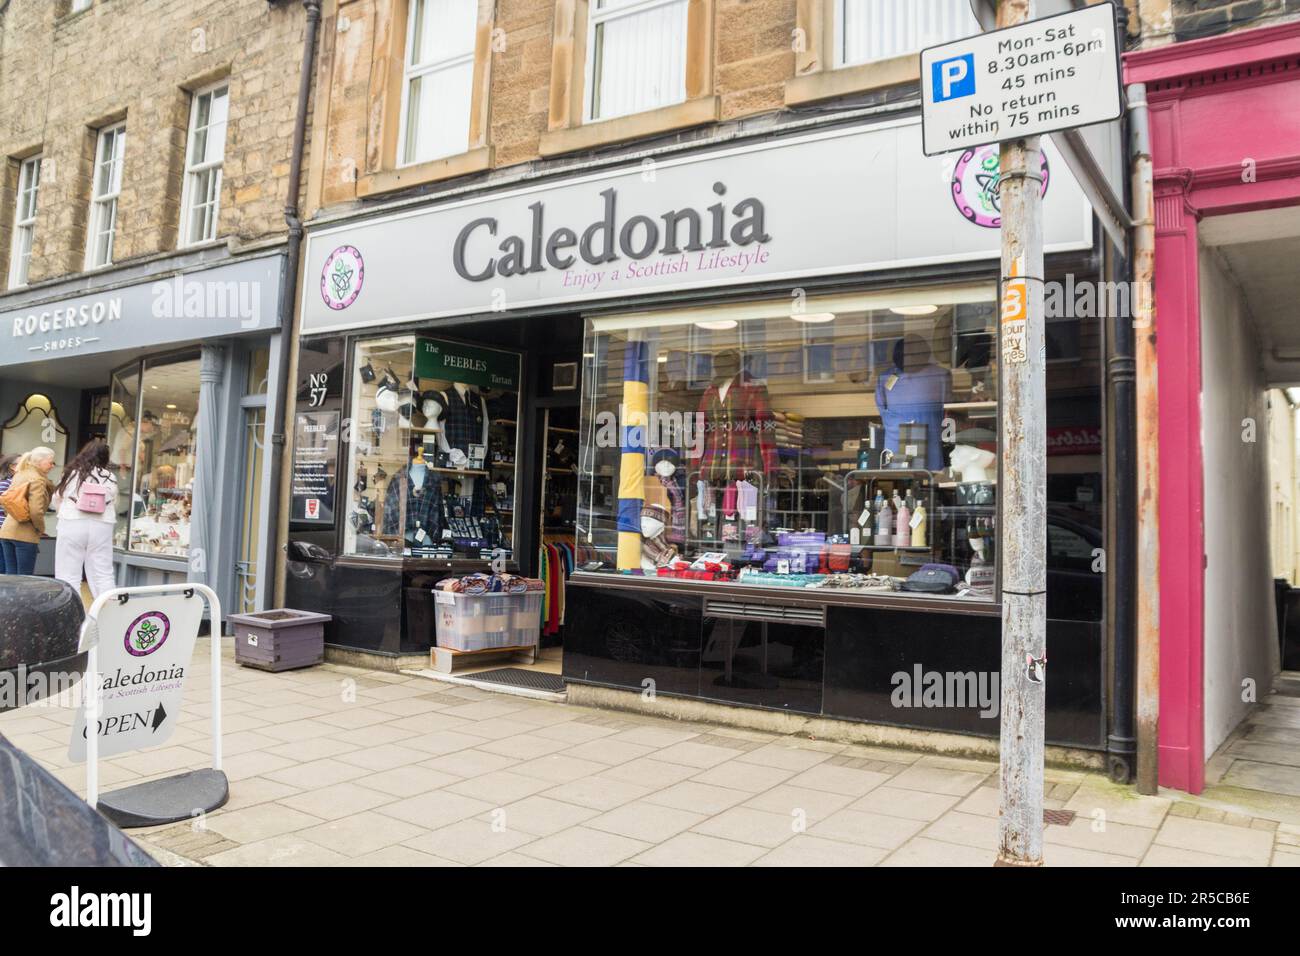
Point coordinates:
[(88, 543)]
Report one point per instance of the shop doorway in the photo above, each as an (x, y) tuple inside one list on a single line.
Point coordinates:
[(541, 504), (1250, 367)]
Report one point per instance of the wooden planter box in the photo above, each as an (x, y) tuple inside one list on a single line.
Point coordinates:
[(279, 640)]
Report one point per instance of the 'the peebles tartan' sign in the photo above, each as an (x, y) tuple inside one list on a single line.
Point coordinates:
[(454, 362)]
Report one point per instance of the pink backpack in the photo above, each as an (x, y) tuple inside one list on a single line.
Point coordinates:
[(92, 498)]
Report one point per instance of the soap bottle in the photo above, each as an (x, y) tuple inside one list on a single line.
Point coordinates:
[(903, 527), (919, 519), (884, 524)]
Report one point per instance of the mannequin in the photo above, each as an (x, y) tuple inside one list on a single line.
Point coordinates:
[(971, 463), (416, 488), (462, 417), (419, 468), (739, 443), (461, 414), (914, 390), (738, 424), (655, 550)]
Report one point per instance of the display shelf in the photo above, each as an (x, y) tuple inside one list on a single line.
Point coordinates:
[(457, 471)]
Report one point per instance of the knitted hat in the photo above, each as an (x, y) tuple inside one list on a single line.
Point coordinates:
[(665, 462)]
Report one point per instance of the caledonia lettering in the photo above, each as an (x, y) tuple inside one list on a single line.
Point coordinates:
[(673, 232)]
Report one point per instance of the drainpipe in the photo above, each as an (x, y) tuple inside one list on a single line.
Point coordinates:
[(289, 284), (1148, 442), (1122, 484)]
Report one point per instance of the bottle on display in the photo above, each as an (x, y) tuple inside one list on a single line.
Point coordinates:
[(884, 524), (903, 526), (919, 526)]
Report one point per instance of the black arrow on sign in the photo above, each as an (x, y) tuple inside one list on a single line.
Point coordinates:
[(159, 716)]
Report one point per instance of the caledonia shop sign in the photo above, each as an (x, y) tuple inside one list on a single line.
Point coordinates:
[(707, 220)]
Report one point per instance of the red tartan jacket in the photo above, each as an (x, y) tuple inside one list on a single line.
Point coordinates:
[(739, 433)]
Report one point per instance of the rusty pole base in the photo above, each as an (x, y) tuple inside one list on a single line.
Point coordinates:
[(1004, 861)]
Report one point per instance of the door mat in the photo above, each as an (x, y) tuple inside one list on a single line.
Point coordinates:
[(518, 677)]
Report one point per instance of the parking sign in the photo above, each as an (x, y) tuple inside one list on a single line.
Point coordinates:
[(1039, 77)]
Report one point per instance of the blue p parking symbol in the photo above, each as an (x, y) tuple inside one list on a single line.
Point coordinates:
[(953, 78)]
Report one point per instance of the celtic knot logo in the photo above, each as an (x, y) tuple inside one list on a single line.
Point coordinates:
[(342, 277), (977, 185), (147, 633)]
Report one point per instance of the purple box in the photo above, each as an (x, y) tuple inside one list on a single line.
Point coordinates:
[(279, 640), (806, 540)]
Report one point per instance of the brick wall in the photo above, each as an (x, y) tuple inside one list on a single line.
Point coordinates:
[(62, 76), (1193, 19), (753, 49)]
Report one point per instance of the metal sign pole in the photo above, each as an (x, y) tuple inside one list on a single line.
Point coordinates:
[(89, 688), (1023, 443), (214, 640)]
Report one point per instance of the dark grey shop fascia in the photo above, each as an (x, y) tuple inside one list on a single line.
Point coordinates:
[(187, 297)]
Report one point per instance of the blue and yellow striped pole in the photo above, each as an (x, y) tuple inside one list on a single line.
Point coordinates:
[(631, 477)]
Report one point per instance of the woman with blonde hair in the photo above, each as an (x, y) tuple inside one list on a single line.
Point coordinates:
[(20, 535), (30, 492)]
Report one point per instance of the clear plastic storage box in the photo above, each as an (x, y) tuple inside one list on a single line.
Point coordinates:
[(475, 622)]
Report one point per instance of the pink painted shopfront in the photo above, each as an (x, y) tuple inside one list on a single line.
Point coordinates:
[(1225, 133)]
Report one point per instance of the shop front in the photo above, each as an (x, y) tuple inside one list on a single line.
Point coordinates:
[(740, 406), (1225, 147), (167, 361)]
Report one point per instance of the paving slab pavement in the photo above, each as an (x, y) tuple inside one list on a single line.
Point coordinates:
[(341, 766)]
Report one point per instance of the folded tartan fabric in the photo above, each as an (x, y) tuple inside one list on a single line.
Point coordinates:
[(490, 584)]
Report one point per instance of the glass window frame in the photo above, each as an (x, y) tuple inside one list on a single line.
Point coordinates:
[(191, 201), (103, 204), (839, 37), (138, 368), (949, 295), (353, 425), (597, 18), (26, 199), (413, 72)]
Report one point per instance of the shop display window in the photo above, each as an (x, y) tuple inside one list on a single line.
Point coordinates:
[(165, 432), (433, 439), (35, 424), (845, 443), (152, 429), (123, 408)]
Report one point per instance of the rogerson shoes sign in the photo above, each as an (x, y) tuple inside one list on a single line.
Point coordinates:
[(845, 201)]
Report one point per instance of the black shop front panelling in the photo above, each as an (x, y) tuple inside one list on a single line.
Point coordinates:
[(620, 637), (631, 638), (366, 603), (880, 662), (763, 664)]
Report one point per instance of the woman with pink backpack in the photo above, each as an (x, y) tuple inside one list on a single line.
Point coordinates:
[(85, 498)]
